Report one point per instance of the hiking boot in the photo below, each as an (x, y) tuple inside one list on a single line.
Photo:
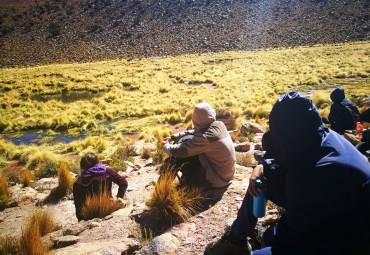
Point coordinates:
[(225, 246)]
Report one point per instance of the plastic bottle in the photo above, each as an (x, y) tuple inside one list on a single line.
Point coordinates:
[(259, 202), (359, 130)]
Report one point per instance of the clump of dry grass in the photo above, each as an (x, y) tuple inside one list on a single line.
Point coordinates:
[(7, 150), (4, 192), (321, 99), (146, 153), (25, 177), (44, 163), (172, 202), (99, 206), (124, 151), (38, 224), (65, 178), (8, 246), (65, 182), (245, 158), (174, 118)]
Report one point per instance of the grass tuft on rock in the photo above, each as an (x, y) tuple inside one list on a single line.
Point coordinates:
[(99, 206), (172, 202), (37, 225), (65, 183), (45, 164)]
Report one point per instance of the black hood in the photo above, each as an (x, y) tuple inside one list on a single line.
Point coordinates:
[(293, 120), (337, 95)]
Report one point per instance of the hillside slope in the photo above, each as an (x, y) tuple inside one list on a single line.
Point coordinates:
[(34, 32)]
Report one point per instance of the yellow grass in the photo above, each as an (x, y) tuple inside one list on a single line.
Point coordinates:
[(65, 178), (37, 225), (99, 206), (4, 192), (173, 203), (26, 177), (44, 164), (8, 246), (141, 88)]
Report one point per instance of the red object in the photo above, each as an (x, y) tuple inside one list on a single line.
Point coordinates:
[(359, 129)]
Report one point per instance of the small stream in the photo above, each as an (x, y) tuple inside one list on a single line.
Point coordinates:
[(41, 137)]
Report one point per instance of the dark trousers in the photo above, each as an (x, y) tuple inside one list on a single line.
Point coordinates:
[(245, 223)]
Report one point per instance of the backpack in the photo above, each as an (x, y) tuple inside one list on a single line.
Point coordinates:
[(350, 116)]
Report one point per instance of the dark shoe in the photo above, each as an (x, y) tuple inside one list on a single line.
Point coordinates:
[(224, 246)]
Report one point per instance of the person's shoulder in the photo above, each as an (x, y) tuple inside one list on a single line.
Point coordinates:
[(216, 130)]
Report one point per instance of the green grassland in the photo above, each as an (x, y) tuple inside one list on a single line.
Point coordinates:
[(144, 92), (152, 97)]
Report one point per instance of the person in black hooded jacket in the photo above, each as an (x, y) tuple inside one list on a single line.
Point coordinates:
[(325, 192), (343, 113)]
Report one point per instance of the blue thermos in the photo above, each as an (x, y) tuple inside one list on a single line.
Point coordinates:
[(259, 202)]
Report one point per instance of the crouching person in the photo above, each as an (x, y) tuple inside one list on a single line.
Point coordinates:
[(324, 188), (95, 179), (205, 155)]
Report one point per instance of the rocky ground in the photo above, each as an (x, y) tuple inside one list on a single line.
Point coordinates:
[(120, 232), (39, 32)]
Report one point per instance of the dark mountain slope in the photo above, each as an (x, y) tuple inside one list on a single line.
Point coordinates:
[(34, 32)]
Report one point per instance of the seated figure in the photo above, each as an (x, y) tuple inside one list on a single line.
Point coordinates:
[(321, 181), (206, 155), (343, 113), (95, 179)]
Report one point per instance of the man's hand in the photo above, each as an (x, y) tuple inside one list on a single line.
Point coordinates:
[(256, 173), (166, 140)]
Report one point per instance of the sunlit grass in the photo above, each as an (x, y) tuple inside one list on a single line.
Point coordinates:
[(141, 88), (99, 206), (172, 202), (37, 225)]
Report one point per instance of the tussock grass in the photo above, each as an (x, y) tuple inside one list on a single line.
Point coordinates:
[(91, 144), (4, 192), (37, 225), (137, 89), (65, 183), (245, 159), (321, 99), (25, 177), (124, 151), (8, 246), (172, 202), (8, 150), (65, 178), (99, 206), (44, 164), (146, 153)]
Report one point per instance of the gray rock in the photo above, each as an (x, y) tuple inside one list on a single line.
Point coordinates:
[(102, 247), (250, 127), (64, 241), (243, 147), (165, 244), (258, 155), (76, 229)]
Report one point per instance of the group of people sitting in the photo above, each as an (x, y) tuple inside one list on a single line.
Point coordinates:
[(320, 179)]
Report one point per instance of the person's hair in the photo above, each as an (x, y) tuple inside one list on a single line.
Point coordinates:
[(88, 160)]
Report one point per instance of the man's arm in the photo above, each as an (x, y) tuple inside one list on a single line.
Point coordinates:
[(120, 181), (78, 198), (195, 146)]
